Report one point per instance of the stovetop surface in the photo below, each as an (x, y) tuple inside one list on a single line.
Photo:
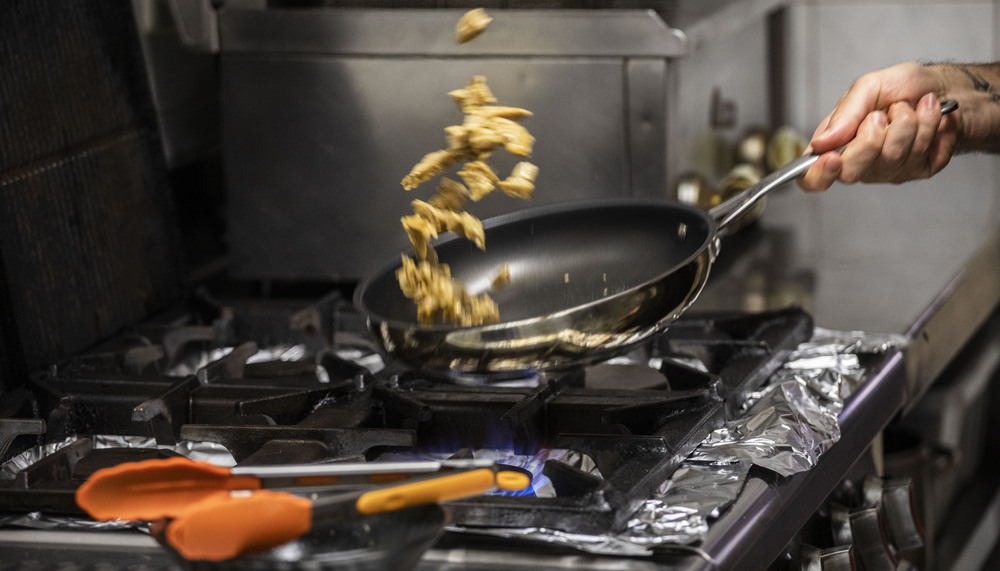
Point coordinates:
[(298, 382)]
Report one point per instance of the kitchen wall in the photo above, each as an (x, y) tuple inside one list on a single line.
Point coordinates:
[(825, 45), (786, 63), (832, 42), (721, 86)]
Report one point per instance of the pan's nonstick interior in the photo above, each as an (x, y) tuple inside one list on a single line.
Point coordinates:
[(561, 257)]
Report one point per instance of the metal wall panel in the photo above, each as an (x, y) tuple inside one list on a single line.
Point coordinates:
[(324, 112)]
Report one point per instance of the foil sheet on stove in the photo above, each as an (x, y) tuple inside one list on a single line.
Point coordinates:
[(784, 427), (206, 451)]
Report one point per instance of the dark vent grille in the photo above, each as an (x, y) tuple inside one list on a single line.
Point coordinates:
[(86, 229)]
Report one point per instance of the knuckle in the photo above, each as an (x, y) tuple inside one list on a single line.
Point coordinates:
[(893, 154), (901, 111), (870, 80)]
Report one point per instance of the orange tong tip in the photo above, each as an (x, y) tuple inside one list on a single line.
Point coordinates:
[(154, 489), (224, 528)]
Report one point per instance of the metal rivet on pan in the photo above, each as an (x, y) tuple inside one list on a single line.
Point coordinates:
[(682, 231)]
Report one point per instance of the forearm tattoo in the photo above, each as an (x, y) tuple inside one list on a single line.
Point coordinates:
[(979, 83)]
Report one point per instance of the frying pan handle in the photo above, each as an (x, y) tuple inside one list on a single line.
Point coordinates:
[(725, 213)]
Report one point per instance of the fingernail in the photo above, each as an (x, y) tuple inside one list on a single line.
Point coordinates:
[(880, 119), (929, 101)]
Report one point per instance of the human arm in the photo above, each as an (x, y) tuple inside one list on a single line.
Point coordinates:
[(891, 123)]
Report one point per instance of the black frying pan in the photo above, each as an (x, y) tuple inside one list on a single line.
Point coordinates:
[(588, 281)]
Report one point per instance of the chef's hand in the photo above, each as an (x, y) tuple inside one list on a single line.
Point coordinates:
[(890, 121)]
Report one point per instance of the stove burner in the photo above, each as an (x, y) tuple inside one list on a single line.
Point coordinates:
[(625, 376)]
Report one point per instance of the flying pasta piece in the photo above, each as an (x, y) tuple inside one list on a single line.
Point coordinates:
[(471, 24), (486, 127)]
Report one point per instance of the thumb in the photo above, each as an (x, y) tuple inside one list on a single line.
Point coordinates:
[(841, 125), (836, 130)]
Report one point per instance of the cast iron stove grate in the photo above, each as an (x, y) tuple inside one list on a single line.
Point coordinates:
[(287, 412)]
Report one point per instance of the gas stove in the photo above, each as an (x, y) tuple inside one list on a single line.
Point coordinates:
[(267, 381)]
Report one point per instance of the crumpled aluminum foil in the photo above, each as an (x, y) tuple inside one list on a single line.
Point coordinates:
[(280, 352), (597, 544), (38, 520), (207, 451), (784, 427), (681, 510), (785, 431), (792, 420), (197, 450), (10, 468)]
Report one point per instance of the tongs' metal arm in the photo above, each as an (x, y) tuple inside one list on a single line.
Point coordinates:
[(358, 468)]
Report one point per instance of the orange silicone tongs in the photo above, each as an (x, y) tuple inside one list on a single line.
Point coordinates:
[(210, 522), (159, 488), (224, 527)]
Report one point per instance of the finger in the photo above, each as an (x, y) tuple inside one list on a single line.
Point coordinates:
[(944, 143), (861, 153), (895, 162), (822, 127), (822, 174), (922, 159), (899, 136), (928, 121)]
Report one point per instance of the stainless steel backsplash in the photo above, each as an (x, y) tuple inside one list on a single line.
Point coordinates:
[(325, 110)]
